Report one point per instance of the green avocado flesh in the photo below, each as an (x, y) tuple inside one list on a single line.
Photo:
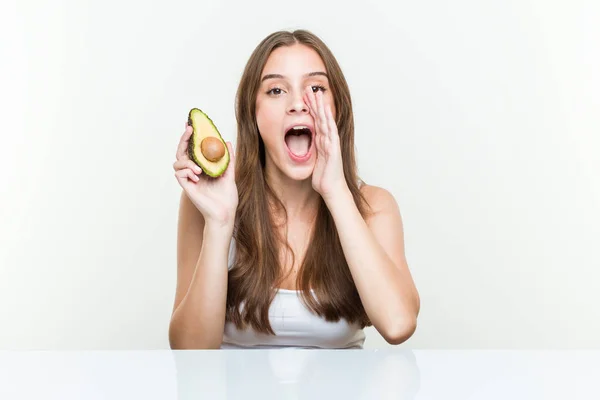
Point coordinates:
[(204, 127)]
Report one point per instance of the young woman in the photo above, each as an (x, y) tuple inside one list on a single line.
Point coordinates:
[(289, 248)]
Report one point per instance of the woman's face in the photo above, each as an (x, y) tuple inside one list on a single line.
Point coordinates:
[(287, 76)]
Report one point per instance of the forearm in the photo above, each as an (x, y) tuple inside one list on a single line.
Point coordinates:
[(386, 291), (199, 320)]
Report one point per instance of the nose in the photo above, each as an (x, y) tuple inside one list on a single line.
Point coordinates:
[(298, 105)]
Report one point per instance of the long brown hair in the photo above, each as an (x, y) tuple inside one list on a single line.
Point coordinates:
[(256, 269)]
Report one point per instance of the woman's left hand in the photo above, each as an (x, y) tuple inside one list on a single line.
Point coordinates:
[(328, 174)]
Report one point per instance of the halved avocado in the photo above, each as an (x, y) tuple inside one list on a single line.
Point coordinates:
[(203, 127)]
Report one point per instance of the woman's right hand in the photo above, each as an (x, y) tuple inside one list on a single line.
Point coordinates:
[(216, 198)]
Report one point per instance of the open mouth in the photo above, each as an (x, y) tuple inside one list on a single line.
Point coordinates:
[(298, 140)]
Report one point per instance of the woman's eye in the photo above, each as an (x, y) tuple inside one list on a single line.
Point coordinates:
[(278, 90)]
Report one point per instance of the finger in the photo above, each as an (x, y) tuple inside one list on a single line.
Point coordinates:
[(321, 113), (311, 101), (186, 163), (184, 143), (315, 118), (186, 173), (315, 108), (331, 122), (317, 128)]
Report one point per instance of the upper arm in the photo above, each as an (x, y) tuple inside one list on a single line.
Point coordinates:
[(190, 228), (386, 222), (387, 226)]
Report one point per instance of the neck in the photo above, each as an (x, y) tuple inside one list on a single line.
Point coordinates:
[(298, 197)]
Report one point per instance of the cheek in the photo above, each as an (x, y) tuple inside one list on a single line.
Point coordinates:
[(267, 122), (261, 117)]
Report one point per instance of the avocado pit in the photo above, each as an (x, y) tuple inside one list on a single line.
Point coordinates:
[(212, 149)]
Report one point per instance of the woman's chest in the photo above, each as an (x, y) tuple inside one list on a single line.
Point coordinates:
[(295, 325), (292, 256)]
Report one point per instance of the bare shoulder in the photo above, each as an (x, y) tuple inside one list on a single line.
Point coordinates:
[(385, 220), (380, 199)]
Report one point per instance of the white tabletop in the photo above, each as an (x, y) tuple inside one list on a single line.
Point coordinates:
[(300, 374)]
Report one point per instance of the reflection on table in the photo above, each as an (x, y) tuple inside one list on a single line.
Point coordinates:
[(300, 374), (297, 374)]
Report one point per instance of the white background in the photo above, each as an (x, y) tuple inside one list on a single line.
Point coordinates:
[(482, 118)]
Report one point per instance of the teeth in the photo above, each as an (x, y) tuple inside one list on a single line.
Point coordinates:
[(298, 128)]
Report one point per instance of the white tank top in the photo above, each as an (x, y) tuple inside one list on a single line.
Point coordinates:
[(294, 326)]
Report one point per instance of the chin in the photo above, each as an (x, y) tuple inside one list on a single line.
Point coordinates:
[(297, 169), (299, 173)]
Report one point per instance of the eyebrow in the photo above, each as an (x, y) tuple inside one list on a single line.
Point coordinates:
[(274, 76)]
